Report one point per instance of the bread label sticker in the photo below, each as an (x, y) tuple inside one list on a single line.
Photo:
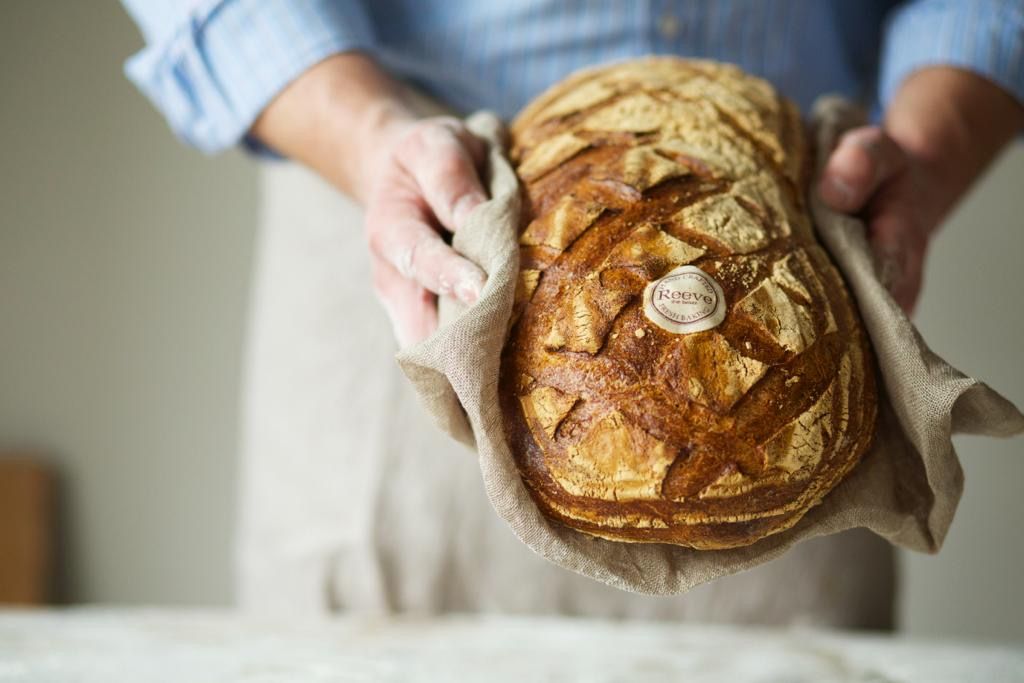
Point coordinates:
[(685, 300)]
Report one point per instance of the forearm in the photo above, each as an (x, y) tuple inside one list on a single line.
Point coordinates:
[(336, 117), (955, 123)]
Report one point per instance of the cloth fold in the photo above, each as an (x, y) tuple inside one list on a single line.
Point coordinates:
[(906, 488)]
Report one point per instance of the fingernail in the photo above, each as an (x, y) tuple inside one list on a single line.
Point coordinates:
[(888, 273), (890, 268), (464, 206), (836, 191), (468, 290)]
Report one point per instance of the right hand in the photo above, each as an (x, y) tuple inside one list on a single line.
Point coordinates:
[(426, 181)]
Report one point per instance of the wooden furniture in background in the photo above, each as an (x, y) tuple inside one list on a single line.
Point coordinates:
[(26, 531)]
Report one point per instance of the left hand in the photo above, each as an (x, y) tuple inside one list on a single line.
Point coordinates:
[(870, 175)]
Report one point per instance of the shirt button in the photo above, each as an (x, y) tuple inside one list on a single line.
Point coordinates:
[(668, 27)]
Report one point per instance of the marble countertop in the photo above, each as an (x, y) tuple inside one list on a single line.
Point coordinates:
[(140, 645)]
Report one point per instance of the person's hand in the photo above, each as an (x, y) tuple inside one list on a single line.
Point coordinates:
[(870, 175), (943, 127), (417, 177), (424, 185)]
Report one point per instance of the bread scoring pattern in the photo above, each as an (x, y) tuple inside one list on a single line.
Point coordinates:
[(620, 428)]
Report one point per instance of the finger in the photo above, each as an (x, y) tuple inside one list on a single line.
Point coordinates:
[(476, 147), (411, 309), (899, 247), (442, 157), (864, 158), (401, 234)]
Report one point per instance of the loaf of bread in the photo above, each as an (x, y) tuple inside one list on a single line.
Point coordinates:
[(685, 364)]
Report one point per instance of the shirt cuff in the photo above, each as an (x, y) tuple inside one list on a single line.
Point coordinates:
[(982, 36), (214, 74)]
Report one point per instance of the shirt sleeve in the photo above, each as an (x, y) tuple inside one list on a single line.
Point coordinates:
[(211, 66), (983, 36)]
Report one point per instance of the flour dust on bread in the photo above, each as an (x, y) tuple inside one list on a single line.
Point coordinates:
[(620, 427)]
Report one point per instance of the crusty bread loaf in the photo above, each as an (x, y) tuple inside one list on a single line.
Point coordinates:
[(709, 405)]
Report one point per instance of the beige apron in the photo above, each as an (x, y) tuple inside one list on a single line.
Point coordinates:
[(352, 501)]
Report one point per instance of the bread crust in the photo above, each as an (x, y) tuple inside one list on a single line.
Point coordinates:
[(620, 428)]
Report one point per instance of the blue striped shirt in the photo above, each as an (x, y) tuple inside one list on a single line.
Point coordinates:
[(212, 65)]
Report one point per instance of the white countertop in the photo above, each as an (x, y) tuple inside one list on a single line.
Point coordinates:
[(107, 645)]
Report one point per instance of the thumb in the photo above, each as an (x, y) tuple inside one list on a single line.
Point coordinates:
[(863, 159)]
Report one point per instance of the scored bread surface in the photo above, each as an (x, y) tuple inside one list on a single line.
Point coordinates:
[(627, 431)]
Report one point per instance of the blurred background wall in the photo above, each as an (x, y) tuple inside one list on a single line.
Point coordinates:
[(124, 266), (124, 262)]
